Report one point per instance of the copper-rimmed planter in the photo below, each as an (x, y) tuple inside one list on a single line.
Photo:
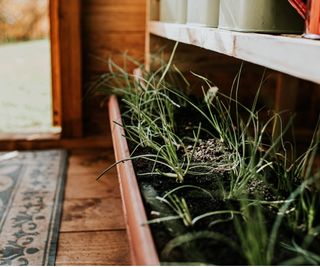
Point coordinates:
[(142, 248)]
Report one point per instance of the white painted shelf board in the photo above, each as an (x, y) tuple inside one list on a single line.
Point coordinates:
[(288, 54)]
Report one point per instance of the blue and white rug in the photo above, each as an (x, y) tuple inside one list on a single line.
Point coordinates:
[(31, 194)]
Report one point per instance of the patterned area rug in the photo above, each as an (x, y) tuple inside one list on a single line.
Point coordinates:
[(31, 193)]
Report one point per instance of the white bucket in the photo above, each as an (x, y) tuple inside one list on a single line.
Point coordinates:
[(174, 11), (274, 16), (203, 12)]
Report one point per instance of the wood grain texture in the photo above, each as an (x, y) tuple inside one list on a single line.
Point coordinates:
[(71, 67), (92, 214), (147, 55), (106, 187), (109, 28), (113, 45), (89, 142), (83, 171), (93, 248), (123, 16), (92, 228), (292, 55), (55, 62)]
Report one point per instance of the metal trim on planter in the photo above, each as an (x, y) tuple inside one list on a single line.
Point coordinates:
[(142, 248)]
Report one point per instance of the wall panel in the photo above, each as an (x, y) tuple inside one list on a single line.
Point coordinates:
[(109, 28)]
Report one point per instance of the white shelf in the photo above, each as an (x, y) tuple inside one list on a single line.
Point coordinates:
[(288, 54)]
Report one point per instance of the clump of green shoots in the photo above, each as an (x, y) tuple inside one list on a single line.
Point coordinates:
[(180, 207), (150, 111), (245, 138)]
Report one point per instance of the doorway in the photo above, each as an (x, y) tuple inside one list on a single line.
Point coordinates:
[(25, 68), (66, 77)]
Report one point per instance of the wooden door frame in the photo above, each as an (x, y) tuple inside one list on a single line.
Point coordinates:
[(66, 64)]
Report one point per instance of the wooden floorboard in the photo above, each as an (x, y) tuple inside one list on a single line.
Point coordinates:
[(30, 144), (93, 248), (84, 168), (92, 229), (92, 214)]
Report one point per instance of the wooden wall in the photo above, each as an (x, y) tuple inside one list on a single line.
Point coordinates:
[(112, 27), (280, 92), (109, 28), (219, 69)]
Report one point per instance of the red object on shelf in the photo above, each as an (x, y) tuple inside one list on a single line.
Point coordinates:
[(300, 6), (310, 11)]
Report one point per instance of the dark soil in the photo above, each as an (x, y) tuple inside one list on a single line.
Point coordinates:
[(204, 250)]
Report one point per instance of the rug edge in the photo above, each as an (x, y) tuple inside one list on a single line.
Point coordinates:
[(53, 246)]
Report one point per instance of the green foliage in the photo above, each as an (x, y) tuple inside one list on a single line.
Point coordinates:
[(253, 234), (259, 162)]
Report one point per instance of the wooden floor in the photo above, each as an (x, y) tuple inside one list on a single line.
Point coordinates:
[(92, 228)]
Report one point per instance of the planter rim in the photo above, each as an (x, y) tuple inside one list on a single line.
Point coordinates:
[(142, 247)]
